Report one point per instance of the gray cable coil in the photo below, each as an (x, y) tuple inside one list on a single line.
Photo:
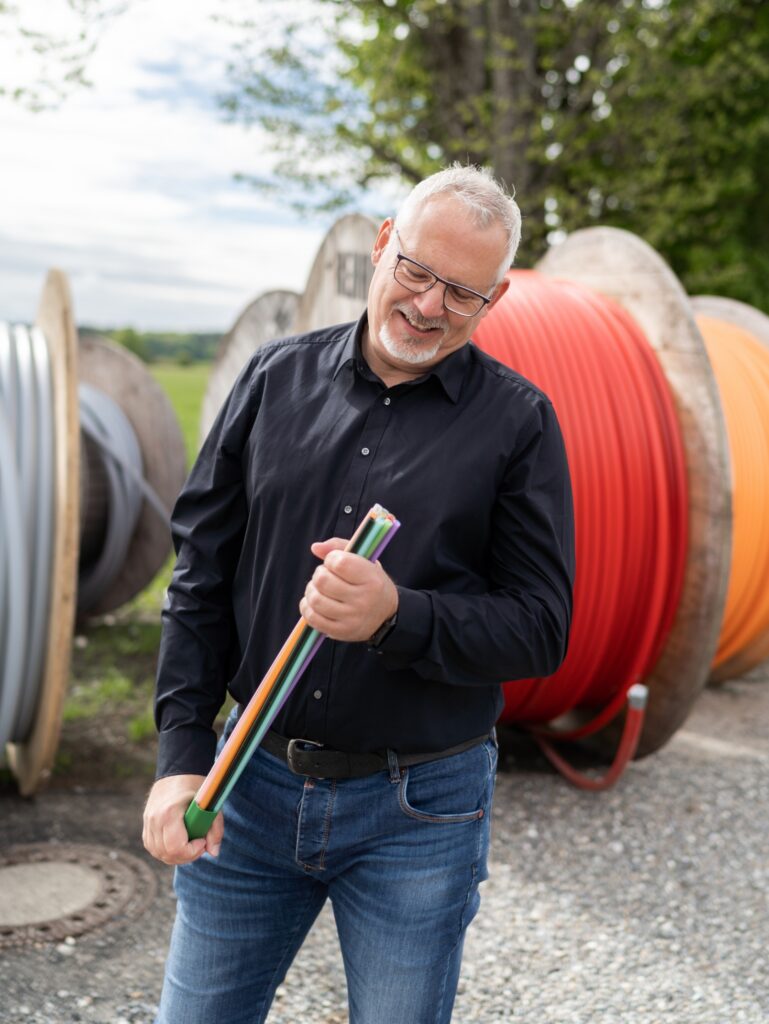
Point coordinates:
[(26, 541), (106, 423), (27, 491)]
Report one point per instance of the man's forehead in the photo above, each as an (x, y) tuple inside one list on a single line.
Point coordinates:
[(443, 209), (444, 233)]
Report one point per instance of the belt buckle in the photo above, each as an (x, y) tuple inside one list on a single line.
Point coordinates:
[(296, 748)]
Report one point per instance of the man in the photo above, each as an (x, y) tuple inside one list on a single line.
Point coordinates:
[(475, 589)]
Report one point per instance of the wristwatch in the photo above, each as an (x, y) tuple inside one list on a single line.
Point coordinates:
[(383, 632)]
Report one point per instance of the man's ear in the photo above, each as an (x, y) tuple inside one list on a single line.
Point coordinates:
[(499, 291), (383, 237)]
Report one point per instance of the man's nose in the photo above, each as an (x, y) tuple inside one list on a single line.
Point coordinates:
[(430, 303)]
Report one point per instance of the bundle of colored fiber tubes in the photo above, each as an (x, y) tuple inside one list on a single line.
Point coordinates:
[(369, 540)]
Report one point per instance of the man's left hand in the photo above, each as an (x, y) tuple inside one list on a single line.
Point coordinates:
[(348, 597)]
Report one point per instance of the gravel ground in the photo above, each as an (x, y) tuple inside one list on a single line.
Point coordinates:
[(648, 903)]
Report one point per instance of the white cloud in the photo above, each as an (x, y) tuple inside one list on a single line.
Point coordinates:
[(128, 185)]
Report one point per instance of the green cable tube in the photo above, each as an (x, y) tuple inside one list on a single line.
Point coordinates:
[(198, 821)]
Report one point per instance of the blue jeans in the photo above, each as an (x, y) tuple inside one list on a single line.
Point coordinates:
[(399, 854)]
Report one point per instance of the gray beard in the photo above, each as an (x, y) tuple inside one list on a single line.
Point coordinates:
[(409, 352)]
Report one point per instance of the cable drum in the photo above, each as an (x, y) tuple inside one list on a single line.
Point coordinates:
[(271, 315), (133, 466), (26, 495), (132, 404), (27, 486), (741, 367), (737, 340), (629, 482), (623, 268)]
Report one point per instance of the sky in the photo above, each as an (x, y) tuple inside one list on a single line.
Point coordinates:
[(129, 186)]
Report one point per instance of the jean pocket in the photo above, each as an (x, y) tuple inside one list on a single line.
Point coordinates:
[(442, 791)]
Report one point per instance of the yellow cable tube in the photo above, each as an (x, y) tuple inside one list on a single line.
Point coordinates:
[(741, 367)]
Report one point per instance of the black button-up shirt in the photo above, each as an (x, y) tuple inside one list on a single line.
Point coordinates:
[(468, 457)]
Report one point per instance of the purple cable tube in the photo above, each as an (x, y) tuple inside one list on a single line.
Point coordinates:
[(385, 541)]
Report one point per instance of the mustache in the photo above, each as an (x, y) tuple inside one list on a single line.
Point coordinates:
[(416, 318)]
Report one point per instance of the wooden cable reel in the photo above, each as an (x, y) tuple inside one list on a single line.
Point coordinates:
[(269, 316), (123, 380), (337, 286), (733, 330), (336, 291), (123, 377), (31, 760), (624, 268)]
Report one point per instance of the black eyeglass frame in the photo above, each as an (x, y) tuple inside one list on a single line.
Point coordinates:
[(485, 299)]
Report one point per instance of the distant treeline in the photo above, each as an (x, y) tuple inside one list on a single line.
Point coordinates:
[(162, 346)]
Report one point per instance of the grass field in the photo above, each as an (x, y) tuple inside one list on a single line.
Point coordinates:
[(114, 657), (185, 386)]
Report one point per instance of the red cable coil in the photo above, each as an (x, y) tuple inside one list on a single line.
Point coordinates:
[(628, 472)]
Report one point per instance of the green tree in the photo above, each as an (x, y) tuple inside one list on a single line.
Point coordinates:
[(133, 341), (690, 171), (648, 115)]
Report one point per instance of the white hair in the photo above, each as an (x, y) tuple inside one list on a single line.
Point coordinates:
[(484, 196)]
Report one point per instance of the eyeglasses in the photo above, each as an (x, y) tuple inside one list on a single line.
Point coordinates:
[(418, 278)]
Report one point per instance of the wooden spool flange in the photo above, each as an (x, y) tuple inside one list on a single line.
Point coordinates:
[(32, 759), (270, 316), (122, 377), (624, 268), (756, 324), (337, 287)]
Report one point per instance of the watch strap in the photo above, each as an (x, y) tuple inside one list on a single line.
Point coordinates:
[(379, 635)]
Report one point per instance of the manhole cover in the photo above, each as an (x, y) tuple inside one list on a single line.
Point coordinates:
[(51, 891)]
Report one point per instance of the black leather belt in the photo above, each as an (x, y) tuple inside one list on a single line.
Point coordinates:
[(304, 757)]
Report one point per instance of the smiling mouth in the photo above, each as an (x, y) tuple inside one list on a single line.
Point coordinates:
[(422, 327)]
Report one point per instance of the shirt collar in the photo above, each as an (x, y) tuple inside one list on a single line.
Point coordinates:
[(449, 372), (350, 354)]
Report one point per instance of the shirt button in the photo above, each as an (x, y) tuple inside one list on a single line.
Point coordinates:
[(364, 451), (318, 694), (387, 401), (347, 509)]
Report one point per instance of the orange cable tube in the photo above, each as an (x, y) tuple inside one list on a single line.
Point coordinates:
[(222, 765), (629, 480), (741, 367)]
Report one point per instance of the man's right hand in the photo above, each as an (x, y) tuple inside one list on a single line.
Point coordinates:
[(164, 834)]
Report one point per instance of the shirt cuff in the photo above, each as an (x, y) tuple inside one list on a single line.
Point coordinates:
[(188, 750), (410, 637)]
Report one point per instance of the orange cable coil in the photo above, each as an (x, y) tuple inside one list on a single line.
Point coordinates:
[(627, 465), (741, 367)]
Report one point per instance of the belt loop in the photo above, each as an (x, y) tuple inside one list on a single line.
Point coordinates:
[(392, 763)]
